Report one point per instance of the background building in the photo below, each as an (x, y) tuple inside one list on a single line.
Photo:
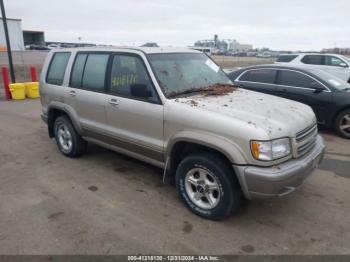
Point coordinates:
[(222, 46), (15, 33), (33, 37)]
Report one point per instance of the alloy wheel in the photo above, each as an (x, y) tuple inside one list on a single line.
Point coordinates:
[(202, 188)]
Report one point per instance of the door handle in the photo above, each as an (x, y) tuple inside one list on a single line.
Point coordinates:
[(113, 102), (72, 93)]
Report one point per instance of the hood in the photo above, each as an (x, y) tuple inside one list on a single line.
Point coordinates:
[(277, 116)]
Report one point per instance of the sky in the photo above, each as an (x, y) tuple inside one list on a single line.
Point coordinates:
[(276, 24)]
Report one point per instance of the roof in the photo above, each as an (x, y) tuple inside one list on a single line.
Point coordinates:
[(33, 32), (147, 50), (282, 66), (309, 54), (301, 68)]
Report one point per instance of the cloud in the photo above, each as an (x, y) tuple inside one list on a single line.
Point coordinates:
[(291, 24)]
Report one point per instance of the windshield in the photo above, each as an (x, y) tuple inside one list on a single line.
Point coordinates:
[(347, 58), (332, 80), (180, 72)]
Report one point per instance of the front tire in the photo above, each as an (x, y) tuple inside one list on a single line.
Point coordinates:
[(207, 185), (68, 141), (342, 124)]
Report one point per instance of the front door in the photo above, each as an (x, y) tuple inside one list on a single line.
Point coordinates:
[(300, 87), (337, 67), (134, 120)]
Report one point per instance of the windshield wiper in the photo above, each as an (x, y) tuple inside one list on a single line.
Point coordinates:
[(196, 90), (185, 92)]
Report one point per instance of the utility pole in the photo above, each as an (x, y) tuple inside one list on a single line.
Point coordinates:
[(8, 45)]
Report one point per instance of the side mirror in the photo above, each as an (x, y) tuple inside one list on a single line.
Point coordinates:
[(317, 87), (140, 90), (343, 65)]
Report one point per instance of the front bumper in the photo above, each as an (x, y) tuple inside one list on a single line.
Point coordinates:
[(276, 181)]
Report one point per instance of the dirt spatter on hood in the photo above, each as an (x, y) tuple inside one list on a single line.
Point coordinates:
[(218, 90), (193, 103)]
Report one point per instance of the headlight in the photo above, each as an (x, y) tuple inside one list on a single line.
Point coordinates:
[(270, 150)]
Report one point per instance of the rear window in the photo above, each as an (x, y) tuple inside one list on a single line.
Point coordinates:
[(57, 68), (267, 76), (313, 59), (286, 58)]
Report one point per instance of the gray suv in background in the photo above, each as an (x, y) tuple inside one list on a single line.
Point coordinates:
[(176, 109)]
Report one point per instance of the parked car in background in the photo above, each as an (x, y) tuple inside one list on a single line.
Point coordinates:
[(326, 94), (337, 65), (53, 46), (37, 47), (176, 109)]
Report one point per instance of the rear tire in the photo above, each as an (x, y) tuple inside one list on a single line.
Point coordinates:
[(68, 141), (342, 124), (208, 187)]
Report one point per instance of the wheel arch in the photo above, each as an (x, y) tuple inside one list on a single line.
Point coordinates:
[(181, 146), (56, 110), (336, 114)]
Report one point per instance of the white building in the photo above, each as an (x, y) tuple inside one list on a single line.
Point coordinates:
[(15, 32)]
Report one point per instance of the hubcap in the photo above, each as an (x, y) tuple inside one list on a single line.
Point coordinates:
[(64, 138), (202, 188), (345, 125)]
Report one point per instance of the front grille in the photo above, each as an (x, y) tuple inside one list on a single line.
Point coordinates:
[(306, 140)]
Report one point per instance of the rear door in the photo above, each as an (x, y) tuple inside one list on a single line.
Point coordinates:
[(316, 61), (135, 123), (87, 91), (300, 87), (260, 80)]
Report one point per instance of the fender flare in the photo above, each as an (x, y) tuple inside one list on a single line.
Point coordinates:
[(69, 111), (221, 144)]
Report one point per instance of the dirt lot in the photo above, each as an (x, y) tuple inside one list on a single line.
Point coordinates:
[(105, 203), (229, 62)]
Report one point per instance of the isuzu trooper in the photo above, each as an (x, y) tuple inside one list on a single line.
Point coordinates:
[(176, 109)]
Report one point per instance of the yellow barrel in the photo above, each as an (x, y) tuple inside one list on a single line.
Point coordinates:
[(17, 91), (32, 89)]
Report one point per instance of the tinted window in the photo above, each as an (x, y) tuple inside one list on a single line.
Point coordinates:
[(129, 72), (55, 74), (267, 76), (286, 58), (77, 72), (313, 59), (95, 72), (334, 61), (245, 76), (291, 78)]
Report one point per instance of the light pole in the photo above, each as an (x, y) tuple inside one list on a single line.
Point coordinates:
[(8, 45)]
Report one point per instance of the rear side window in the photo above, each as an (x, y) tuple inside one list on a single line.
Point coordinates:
[(267, 76), (313, 59), (286, 58), (295, 79), (57, 68), (78, 69), (95, 72)]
